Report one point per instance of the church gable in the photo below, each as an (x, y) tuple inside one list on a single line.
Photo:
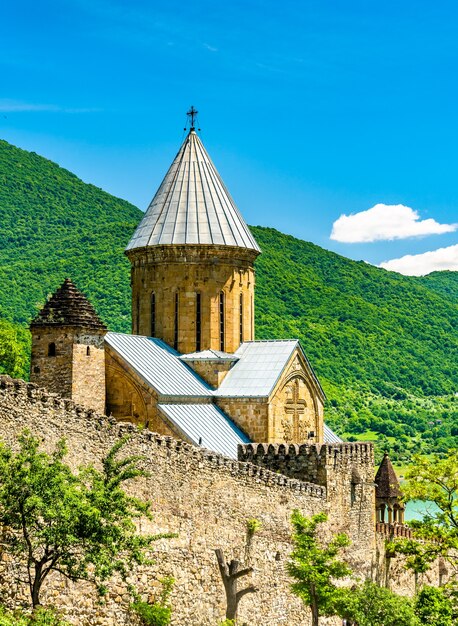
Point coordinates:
[(296, 404)]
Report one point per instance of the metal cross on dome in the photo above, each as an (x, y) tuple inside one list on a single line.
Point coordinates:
[(192, 117)]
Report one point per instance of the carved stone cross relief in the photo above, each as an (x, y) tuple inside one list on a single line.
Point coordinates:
[(294, 429)]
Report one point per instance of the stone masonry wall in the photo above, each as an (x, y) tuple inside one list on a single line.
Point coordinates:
[(202, 496), (76, 370), (250, 414), (347, 471)]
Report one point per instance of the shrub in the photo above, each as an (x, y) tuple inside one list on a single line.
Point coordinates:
[(159, 613), (40, 617)]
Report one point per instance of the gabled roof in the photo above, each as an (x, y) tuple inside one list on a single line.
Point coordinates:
[(178, 386), (387, 483), (209, 355), (192, 206), (330, 436), (205, 425), (159, 366), (259, 368), (68, 307)]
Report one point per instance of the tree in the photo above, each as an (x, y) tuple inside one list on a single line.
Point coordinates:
[(14, 349), (371, 605), (433, 607), (436, 480), (79, 524), (230, 574), (431, 480), (315, 567)]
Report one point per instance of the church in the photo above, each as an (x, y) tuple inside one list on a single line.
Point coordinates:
[(191, 368)]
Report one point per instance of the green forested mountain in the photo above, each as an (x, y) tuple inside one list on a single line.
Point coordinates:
[(384, 345)]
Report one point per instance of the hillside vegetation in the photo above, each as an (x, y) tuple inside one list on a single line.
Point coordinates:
[(384, 345)]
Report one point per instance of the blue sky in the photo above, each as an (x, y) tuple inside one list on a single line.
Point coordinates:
[(311, 110)]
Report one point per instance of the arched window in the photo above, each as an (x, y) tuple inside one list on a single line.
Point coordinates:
[(153, 314), (221, 321), (177, 306), (198, 322), (88, 351), (241, 318), (52, 349), (138, 315), (252, 319)]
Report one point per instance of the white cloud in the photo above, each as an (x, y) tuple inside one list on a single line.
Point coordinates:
[(386, 221), (15, 106), (421, 264)]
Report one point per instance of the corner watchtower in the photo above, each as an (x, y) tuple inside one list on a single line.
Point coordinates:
[(388, 497), (192, 260), (68, 355)]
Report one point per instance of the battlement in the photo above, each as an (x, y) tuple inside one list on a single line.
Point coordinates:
[(342, 451), (29, 394), (309, 462), (394, 530)]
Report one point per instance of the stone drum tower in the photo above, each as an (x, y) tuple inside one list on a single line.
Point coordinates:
[(192, 259), (68, 356)]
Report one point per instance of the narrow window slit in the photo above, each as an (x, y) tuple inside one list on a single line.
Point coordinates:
[(198, 323), (221, 321)]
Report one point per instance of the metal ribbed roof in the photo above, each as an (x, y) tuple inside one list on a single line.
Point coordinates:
[(330, 436), (209, 355), (192, 206), (159, 366), (258, 369), (205, 425)]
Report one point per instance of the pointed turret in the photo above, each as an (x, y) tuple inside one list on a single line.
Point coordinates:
[(192, 206), (388, 494), (192, 259), (68, 307), (68, 356)]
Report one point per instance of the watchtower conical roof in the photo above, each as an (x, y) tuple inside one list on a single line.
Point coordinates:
[(387, 483), (68, 307), (192, 206)]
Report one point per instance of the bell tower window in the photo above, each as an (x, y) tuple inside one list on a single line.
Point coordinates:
[(198, 323), (241, 318), (52, 349), (153, 314), (177, 306), (221, 321), (138, 314)]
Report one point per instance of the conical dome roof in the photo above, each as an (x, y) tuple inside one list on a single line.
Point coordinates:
[(68, 307), (387, 483), (192, 206)]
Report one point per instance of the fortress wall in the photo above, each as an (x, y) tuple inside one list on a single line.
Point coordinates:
[(392, 572), (347, 471), (202, 496)]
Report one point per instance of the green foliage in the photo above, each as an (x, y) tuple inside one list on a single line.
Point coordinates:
[(80, 524), (316, 567), (382, 344), (54, 226), (433, 607), (227, 622), (371, 605), (434, 480), (253, 525), (14, 350), (159, 613), (40, 617)]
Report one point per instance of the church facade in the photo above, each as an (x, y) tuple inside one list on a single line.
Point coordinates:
[(191, 368)]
